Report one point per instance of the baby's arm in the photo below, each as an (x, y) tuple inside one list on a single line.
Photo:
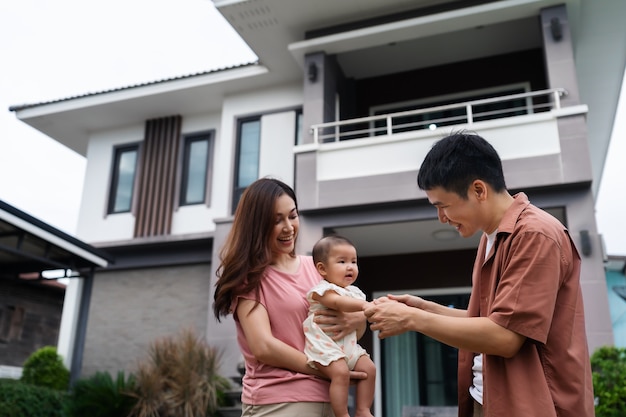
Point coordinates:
[(331, 299)]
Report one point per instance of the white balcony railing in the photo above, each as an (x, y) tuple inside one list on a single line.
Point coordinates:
[(465, 113)]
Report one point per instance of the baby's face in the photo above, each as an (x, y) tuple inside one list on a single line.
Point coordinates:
[(342, 268)]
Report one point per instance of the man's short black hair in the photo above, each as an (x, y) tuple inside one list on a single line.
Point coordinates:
[(455, 161)]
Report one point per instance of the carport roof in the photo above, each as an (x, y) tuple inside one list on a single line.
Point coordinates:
[(28, 245)]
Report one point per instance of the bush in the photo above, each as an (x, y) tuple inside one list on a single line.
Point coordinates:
[(26, 400), (179, 379), (45, 368), (608, 365), (101, 396)]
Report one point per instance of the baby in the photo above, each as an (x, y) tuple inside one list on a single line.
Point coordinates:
[(336, 261)]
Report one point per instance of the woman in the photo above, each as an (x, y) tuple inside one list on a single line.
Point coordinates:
[(263, 283)]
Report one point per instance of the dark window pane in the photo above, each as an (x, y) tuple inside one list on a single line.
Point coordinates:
[(195, 167), (249, 142), (125, 166)]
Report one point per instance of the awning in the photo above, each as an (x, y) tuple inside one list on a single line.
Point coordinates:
[(29, 246)]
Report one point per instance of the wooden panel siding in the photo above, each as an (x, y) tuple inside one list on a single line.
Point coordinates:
[(157, 177)]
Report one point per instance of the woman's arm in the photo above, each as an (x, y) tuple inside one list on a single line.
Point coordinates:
[(267, 349), (264, 346), (343, 316)]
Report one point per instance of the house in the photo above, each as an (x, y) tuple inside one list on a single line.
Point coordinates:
[(33, 255), (343, 103)]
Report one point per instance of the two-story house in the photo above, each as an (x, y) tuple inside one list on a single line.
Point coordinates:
[(344, 102)]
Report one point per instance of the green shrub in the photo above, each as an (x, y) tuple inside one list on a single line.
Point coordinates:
[(608, 365), (179, 378), (101, 396), (26, 400), (45, 368)]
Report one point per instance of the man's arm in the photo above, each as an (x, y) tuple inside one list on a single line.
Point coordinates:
[(430, 306), (476, 334)]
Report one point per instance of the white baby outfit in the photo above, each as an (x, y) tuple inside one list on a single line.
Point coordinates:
[(320, 347)]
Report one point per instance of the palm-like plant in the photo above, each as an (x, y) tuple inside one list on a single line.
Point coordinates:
[(180, 378)]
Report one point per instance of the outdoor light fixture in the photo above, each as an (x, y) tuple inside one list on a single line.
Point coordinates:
[(556, 29), (585, 242), (312, 72)]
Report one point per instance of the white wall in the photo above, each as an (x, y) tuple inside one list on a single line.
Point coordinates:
[(277, 108), (198, 218), (260, 102), (94, 225)]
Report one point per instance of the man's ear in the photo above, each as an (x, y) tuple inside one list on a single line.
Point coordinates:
[(479, 190)]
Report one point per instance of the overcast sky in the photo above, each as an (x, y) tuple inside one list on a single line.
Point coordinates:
[(57, 49)]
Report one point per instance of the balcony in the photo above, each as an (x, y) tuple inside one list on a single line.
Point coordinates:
[(466, 113), (385, 151)]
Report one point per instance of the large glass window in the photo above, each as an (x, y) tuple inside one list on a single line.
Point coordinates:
[(123, 178), (417, 370), (448, 117), (248, 148), (196, 157)]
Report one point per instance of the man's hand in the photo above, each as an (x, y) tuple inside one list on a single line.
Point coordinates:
[(408, 299), (389, 317)]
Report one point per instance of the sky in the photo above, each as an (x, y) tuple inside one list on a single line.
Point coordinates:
[(53, 49)]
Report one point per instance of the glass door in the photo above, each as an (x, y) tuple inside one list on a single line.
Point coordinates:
[(416, 370)]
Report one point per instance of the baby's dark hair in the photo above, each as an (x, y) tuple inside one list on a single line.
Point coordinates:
[(325, 244)]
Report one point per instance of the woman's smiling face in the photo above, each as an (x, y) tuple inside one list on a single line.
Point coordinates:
[(286, 226)]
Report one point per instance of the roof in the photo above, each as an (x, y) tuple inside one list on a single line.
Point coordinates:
[(28, 245), (19, 107)]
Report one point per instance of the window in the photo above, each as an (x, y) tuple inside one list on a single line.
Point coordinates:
[(299, 136), (196, 156), (248, 148), (11, 321), (418, 370), (123, 178), (454, 116)]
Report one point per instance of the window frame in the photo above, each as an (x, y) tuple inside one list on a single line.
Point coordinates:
[(188, 140), (237, 190), (118, 151)]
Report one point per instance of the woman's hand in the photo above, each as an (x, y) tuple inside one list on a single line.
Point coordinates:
[(338, 324)]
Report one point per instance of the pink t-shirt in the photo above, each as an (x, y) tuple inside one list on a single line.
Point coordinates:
[(283, 295)]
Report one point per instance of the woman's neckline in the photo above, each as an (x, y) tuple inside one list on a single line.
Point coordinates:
[(292, 268)]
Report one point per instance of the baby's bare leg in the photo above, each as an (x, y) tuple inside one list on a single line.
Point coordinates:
[(339, 376), (365, 388)]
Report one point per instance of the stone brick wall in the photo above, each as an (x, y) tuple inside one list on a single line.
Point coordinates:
[(131, 308)]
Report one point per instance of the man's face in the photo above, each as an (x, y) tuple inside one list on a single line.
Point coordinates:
[(464, 215)]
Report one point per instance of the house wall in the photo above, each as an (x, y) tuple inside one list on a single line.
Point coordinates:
[(42, 306), (132, 308), (276, 159), (616, 285)]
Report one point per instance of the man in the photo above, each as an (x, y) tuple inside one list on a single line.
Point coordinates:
[(523, 348)]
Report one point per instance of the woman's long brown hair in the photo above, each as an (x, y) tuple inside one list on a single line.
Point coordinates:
[(247, 251)]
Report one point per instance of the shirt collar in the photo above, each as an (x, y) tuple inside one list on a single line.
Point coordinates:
[(507, 223)]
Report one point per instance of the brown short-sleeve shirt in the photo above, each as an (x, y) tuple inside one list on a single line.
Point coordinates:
[(530, 283)]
